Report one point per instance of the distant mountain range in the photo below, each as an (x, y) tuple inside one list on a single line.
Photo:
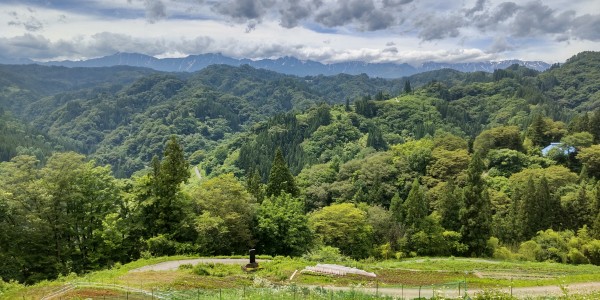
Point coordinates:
[(285, 65)]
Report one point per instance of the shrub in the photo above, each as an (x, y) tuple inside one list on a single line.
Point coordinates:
[(326, 254), (503, 253), (577, 258), (529, 250), (592, 251)]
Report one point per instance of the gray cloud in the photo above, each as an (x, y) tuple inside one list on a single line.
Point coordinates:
[(587, 27), (535, 18), (395, 3), (155, 10), (361, 12), (244, 10), (477, 8), (436, 28), (500, 45), (294, 11)]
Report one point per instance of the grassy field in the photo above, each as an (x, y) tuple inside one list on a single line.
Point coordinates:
[(272, 280)]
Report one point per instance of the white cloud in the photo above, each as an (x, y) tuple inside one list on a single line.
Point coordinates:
[(446, 31)]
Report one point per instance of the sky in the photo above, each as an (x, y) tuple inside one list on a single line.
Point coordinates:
[(328, 31)]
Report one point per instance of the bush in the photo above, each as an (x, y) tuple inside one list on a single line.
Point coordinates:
[(503, 253), (577, 258), (592, 251), (161, 246), (326, 254), (529, 250), (217, 270)]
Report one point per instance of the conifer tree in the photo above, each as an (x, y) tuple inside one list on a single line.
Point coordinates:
[(280, 177), (536, 130), (375, 139), (255, 186), (164, 210), (450, 205), (530, 211), (594, 125), (475, 217), (415, 206), (397, 208), (407, 87)]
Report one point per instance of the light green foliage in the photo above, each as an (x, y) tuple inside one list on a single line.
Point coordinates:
[(557, 176), (578, 140), (343, 226), (447, 164), (282, 227), (506, 162), (414, 155), (590, 157), (315, 184), (498, 138), (225, 211)]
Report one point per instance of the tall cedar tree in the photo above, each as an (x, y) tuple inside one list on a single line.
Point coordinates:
[(375, 139), (280, 178), (535, 132), (594, 126), (415, 206), (475, 217), (255, 186), (407, 87), (530, 211), (450, 204), (165, 213)]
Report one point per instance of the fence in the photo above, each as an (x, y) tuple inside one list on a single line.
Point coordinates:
[(291, 292)]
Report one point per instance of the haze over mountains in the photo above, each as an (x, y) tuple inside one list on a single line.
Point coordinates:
[(287, 65)]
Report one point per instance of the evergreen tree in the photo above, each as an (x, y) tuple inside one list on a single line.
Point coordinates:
[(375, 139), (530, 211), (594, 125), (536, 130), (397, 208), (415, 206), (450, 205), (280, 178), (163, 208), (347, 105), (255, 186), (475, 217), (407, 87)]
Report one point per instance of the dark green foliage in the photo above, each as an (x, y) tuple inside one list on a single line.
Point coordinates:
[(407, 87), (450, 205), (415, 206), (375, 139), (365, 107), (281, 179), (164, 206), (255, 186), (475, 217)]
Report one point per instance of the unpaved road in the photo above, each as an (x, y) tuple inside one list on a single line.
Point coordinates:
[(174, 264)]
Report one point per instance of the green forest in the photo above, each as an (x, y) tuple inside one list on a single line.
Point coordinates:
[(101, 166)]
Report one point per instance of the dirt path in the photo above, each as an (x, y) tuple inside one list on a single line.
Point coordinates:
[(174, 264)]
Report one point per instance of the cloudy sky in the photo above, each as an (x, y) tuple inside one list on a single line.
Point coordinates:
[(412, 31)]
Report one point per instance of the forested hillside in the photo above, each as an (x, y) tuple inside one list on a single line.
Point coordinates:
[(440, 163)]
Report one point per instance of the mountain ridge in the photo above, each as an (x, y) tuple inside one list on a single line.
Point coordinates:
[(291, 65)]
